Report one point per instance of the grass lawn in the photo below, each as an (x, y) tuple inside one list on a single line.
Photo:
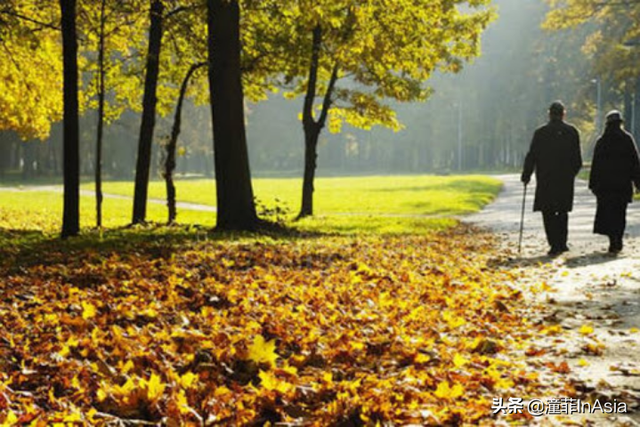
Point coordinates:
[(414, 195), (42, 211), (395, 204)]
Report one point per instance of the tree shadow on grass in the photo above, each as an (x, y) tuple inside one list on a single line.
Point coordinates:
[(21, 250), (25, 248)]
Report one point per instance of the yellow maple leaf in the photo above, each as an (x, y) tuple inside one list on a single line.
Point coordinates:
[(445, 391), (222, 391), (583, 362), (74, 417), (453, 320), (101, 395), (422, 358), (291, 370), (269, 381), (127, 367), (182, 402), (127, 388), (188, 380), (88, 310), (356, 346), (11, 419), (262, 351), (155, 388), (459, 361), (586, 329)]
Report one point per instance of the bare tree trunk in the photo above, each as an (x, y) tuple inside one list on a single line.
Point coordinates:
[(170, 163), (71, 209), (236, 207), (101, 90), (148, 114)]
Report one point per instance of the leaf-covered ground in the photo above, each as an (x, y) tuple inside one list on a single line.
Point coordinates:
[(307, 331)]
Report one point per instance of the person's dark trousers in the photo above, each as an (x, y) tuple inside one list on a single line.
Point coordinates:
[(555, 227)]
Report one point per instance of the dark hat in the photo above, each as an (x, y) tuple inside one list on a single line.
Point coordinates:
[(614, 116), (556, 108)]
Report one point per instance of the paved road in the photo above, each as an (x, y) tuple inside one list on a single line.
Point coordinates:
[(503, 216), (587, 286)]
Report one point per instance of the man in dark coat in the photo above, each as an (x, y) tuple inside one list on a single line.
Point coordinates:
[(614, 170), (555, 157)]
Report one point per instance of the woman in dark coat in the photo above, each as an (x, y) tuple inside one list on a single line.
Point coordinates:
[(614, 170)]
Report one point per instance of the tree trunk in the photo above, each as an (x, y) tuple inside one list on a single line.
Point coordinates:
[(628, 105), (236, 207), (170, 163), (148, 114), (312, 128), (71, 209), (101, 90), (310, 163)]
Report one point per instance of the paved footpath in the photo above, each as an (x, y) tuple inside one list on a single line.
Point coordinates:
[(583, 288)]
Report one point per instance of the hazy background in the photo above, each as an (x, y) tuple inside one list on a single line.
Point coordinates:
[(481, 119)]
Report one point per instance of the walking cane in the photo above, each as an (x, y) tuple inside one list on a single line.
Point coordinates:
[(524, 197)]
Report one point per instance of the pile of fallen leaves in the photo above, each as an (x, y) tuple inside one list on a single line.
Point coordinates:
[(319, 331)]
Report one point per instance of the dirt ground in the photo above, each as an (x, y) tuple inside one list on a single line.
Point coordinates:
[(582, 289)]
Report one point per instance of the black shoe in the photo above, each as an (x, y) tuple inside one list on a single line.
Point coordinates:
[(615, 245), (557, 250), (554, 252)]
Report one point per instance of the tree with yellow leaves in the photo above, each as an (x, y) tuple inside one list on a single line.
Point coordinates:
[(355, 56), (612, 42), (30, 70)]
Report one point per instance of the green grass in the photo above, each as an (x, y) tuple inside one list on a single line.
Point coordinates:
[(42, 211), (411, 195), (379, 204)]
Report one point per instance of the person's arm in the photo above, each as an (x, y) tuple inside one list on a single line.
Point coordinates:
[(530, 161), (577, 154), (594, 175), (635, 163)]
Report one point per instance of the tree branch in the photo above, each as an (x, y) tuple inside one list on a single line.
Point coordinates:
[(326, 104), (33, 21), (307, 111)]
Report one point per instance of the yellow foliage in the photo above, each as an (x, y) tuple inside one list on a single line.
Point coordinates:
[(88, 310), (155, 387), (445, 391), (586, 329), (262, 351), (269, 381), (393, 345)]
